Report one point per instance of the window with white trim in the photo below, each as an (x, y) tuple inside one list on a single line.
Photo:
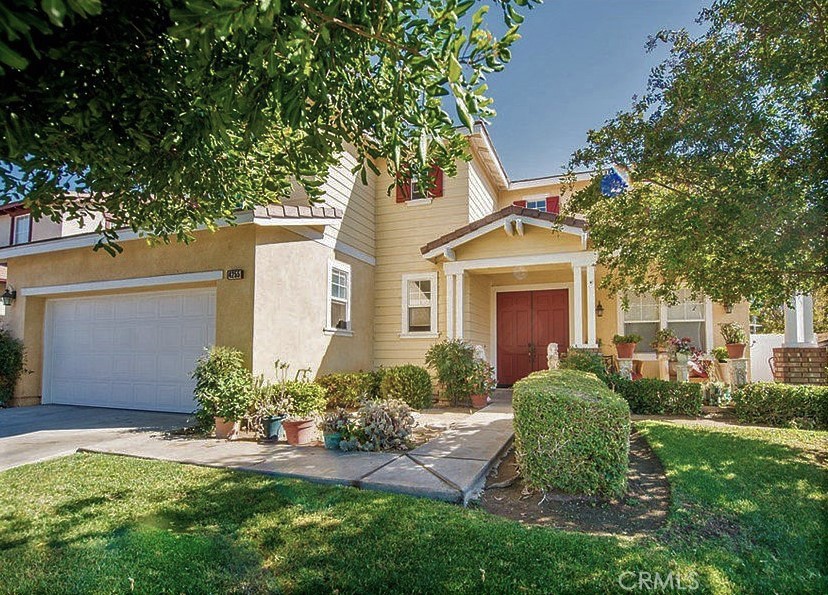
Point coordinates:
[(539, 204), (21, 229), (419, 304), (645, 315), (339, 296)]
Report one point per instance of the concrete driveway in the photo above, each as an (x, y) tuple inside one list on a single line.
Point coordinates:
[(31, 434)]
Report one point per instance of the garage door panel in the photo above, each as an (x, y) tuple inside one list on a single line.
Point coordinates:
[(134, 351)]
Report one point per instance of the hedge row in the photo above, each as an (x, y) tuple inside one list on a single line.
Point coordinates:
[(408, 383), (784, 405), (651, 396), (571, 433), (349, 389)]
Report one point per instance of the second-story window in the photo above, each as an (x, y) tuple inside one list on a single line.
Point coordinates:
[(540, 205), (408, 188), (21, 231)]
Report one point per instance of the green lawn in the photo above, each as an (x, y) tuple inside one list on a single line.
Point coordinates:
[(749, 515)]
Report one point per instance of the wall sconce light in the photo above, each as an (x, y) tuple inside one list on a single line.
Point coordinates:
[(599, 310), (8, 297), (728, 308)]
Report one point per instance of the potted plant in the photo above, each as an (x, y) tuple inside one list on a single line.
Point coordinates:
[(683, 348), (455, 364), (224, 389), (483, 383), (305, 400), (663, 340), (735, 339), (335, 426), (270, 409), (720, 354), (625, 345)]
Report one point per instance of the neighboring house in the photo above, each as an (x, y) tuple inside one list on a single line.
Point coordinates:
[(364, 280)]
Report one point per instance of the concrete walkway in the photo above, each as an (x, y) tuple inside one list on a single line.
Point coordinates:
[(451, 467)]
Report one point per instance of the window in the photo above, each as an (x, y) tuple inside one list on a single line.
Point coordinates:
[(419, 304), (339, 296), (21, 229), (545, 204), (540, 204), (408, 188), (688, 317)]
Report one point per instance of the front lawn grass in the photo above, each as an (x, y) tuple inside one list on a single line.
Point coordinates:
[(748, 515)]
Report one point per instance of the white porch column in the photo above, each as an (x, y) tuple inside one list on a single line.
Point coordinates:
[(458, 298), (799, 322), (592, 341), (578, 306), (791, 326), (450, 305), (808, 337)]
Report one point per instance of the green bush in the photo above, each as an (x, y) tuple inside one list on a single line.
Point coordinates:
[(571, 433), (304, 399), (224, 386), (585, 361), (410, 384), (11, 364), (775, 404), (456, 366), (350, 389), (651, 396)]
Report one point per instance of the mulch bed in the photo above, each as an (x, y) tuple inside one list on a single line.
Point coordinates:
[(642, 510)]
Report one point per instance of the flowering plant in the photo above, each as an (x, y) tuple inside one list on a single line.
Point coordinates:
[(683, 345)]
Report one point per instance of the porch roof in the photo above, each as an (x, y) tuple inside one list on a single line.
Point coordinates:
[(473, 229)]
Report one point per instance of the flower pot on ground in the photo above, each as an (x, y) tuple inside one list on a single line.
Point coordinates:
[(269, 410), (226, 428), (299, 431), (735, 339), (482, 382), (479, 401), (224, 389), (335, 424), (625, 345), (305, 401), (273, 427)]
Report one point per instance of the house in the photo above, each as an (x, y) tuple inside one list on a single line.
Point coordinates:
[(363, 280)]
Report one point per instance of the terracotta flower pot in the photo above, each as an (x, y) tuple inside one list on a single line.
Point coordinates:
[(299, 431), (226, 428), (479, 401), (625, 350), (735, 350)]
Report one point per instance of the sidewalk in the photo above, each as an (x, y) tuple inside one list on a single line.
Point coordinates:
[(452, 467)]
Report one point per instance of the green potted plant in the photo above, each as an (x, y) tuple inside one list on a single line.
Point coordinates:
[(483, 383), (224, 389), (625, 345), (720, 354), (335, 426), (305, 400), (663, 340), (735, 339), (454, 363), (270, 409), (683, 348)]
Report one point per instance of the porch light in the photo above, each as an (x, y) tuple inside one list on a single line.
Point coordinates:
[(599, 310), (8, 297), (728, 308)]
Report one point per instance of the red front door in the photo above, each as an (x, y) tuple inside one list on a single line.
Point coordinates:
[(527, 321)]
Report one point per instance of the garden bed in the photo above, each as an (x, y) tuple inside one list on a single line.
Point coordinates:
[(642, 510)]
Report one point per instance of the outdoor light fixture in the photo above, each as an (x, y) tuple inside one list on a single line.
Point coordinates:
[(8, 297), (728, 308), (599, 310)]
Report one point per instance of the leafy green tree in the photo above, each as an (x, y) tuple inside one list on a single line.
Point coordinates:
[(728, 160), (171, 114)]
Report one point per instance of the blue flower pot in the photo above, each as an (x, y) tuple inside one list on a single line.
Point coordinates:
[(332, 441), (274, 427)]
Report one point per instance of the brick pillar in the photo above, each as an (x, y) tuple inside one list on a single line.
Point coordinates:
[(800, 365)]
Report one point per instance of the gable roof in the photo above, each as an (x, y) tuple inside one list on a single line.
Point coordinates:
[(488, 223)]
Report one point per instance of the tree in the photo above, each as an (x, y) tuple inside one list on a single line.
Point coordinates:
[(728, 160), (172, 114)]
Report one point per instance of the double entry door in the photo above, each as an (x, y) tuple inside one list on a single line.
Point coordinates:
[(527, 321)]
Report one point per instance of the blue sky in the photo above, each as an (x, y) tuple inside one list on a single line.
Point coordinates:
[(577, 64)]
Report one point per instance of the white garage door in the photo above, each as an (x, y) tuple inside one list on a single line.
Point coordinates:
[(134, 351)]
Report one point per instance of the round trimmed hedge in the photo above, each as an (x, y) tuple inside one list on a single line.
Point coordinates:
[(410, 384), (572, 433)]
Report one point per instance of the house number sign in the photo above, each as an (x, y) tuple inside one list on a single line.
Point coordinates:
[(235, 274)]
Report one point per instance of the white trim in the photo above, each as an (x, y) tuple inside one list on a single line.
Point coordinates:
[(418, 202), (459, 298), (578, 306), (450, 305), (505, 222), (138, 282), (584, 258), (337, 332), (592, 340), (323, 240), (329, 327), (550, 180), (294, 221), (13, 224), (406, 278)]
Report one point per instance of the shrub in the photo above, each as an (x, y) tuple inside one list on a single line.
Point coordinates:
[(11, 364), (410, 384), (349, 389), (224, 386), (717, 394), (720, 354), (305, 399), (585, 361), (336, 422), (776, 404), (618, 339), (571, 433), (380, 425), (651, 396), (455, 365)]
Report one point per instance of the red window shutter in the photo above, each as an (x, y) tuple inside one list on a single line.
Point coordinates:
[(553, 204), (403, 189), (520, 203), (436, 182)]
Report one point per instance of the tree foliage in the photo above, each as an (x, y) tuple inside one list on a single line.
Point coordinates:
[(170, 114), (727, 153)]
